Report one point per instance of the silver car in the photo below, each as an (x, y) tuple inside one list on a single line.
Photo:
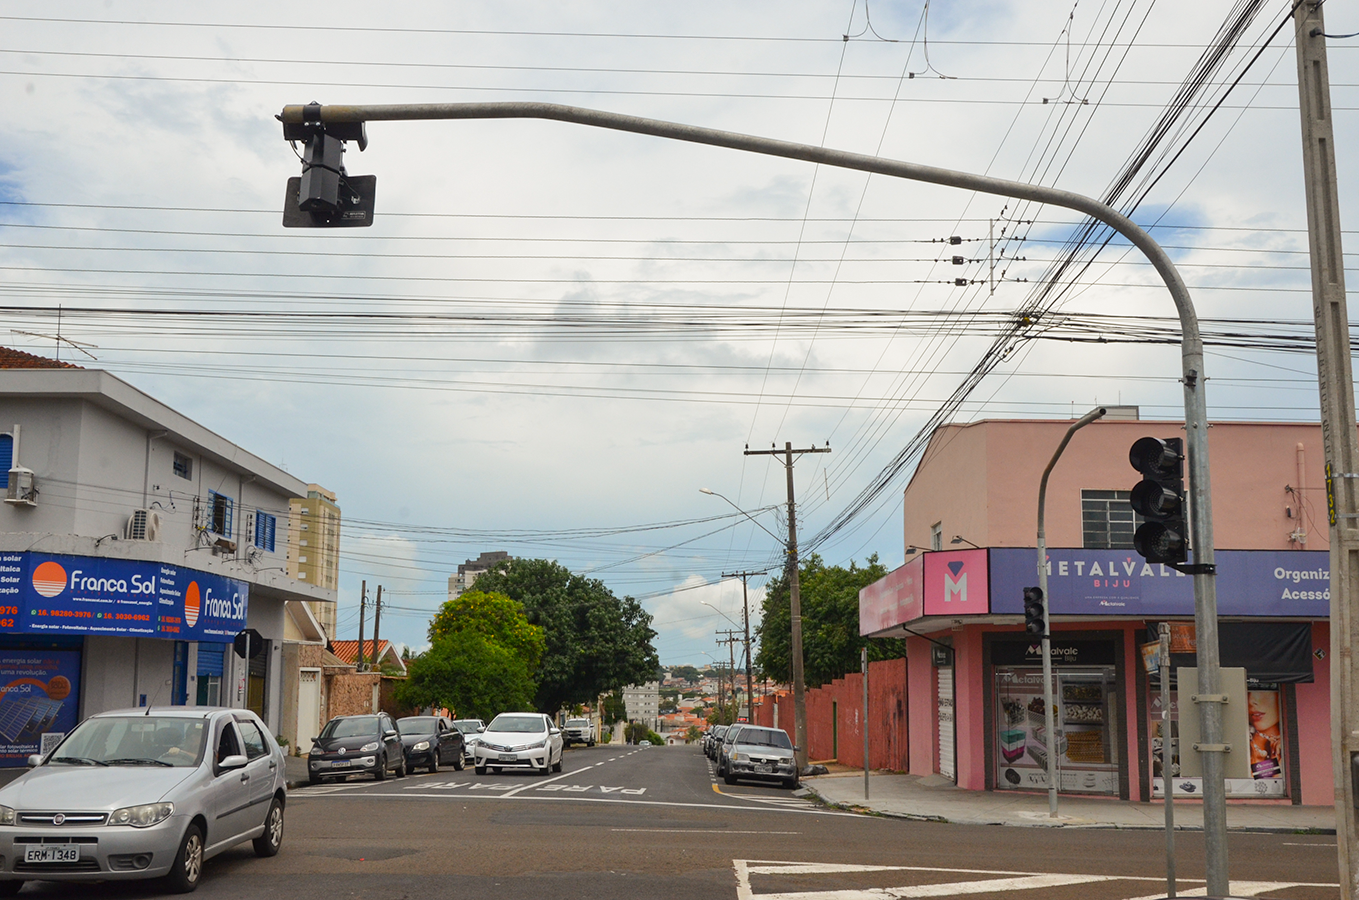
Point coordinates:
[(143, 793), (761, 753), (520, 741)]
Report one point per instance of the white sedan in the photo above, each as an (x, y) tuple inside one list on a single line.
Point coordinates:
[(520, 740)]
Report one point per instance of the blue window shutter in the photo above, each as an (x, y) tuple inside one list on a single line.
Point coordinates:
[(264, 530), (6, 458), (272, 523), (210, 657)]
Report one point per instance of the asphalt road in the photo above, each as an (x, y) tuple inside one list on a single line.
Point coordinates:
[(628, 822)]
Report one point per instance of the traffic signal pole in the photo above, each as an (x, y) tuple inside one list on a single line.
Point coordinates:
[(1191, 346), (1335, 380)]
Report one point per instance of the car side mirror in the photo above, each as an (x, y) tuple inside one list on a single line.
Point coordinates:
[(389, 733), (35, 760), (480, 729), (234, 761), (556, 731)]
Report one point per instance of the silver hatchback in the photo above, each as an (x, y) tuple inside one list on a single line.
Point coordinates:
[(143, 793)]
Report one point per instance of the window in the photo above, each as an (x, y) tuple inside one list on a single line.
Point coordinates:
[(220, 510), (937, 536), (1107, 520), (227, 746), (254, 741), (6, 458), (183, 465), (264, 530)]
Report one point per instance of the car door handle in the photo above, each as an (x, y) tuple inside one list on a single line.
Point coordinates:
[(272, 764), (244, 777)]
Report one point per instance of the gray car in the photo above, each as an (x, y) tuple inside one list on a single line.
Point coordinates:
[(761, 753), (143, 793)]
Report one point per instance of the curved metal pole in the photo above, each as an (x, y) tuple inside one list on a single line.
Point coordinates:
[(1191, 347)]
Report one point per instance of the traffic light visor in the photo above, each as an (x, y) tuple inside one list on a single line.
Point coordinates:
[(1155, 501), (1154, 457), (1159, 544)]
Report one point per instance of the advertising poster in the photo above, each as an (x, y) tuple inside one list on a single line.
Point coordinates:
[(1266, 750), (38, 693), (43, 593)]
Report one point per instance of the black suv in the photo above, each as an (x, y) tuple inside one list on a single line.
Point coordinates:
[(356, 744)]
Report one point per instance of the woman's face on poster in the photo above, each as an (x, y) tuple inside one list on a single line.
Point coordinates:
[(1264, 710)]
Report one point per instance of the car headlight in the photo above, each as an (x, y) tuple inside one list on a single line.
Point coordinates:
[(740, 757), (422, 746), (142, 816), (6, 816), (369, 748), (536, 746)]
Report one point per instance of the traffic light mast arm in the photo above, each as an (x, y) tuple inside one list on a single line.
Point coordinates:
[(1191, 342)]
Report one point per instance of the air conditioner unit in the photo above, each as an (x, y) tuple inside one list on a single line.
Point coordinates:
[(22, 491), (224, 545), (144, 525)]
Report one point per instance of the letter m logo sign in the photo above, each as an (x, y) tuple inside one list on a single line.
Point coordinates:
[(955, 588)]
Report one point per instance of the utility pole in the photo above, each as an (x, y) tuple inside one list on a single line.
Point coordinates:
[(750, 660), (731, 640), (1335, 380), (794, 600), (377, 622), (363, 609)]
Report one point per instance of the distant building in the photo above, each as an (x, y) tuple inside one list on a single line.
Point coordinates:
[(643, 702), (468, 571), (383, 656), (314, 547)]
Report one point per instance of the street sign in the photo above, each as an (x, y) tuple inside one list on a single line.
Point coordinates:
[(248, 641)]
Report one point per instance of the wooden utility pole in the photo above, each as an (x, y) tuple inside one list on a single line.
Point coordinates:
[(363, 609), (1335, 380), (731, 640), (794, 601), (377, 623), (750, 660)]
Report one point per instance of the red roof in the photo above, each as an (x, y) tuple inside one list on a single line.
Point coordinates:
[(349, 650), (18, 359)]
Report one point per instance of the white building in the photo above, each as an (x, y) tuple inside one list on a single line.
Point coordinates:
[(469, 571), (134, 546), (643, 702)]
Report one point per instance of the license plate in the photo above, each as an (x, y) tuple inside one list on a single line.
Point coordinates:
[(508, 757), (341, 764), (52, 853), (763, 769)]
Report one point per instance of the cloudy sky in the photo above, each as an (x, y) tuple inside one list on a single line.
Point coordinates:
[(553, 336)]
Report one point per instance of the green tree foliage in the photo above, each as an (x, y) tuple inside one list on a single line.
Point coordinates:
[(470, 674), (688, 673), (596, 642), (495, 617), (830, 623), (615, 710)]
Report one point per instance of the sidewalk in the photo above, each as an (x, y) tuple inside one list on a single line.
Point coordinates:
[(934, 798)]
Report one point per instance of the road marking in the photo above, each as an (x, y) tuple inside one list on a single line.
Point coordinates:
[(712, 831), (1010, 881), (1287, 844)]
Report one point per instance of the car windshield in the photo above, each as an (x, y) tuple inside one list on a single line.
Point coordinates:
[(351, 726), (518, 724), (132, 741), (467, 726), (762, 738), (577, 723), (416, 725)]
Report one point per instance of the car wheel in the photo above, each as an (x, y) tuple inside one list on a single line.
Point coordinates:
[(458, 763), (268, 843), (558, 766), (401, 768), (10, 888), (791, 784), (547, 764), (187, 868), (380, 770), (313, 778), (434, 763), (480, 770), (729, 778)]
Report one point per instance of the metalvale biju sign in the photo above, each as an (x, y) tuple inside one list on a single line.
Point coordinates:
[(43, 593)]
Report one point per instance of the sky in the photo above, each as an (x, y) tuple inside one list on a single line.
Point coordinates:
[(553, 337)]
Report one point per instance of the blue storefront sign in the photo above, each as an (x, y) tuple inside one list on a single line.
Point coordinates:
[(38, 696), (1121, 583), (43, 593)]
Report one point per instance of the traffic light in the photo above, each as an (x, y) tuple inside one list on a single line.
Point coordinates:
[(1159, 499), (1035, 621), (326, 196)]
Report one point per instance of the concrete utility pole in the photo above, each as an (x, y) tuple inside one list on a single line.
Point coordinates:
[(1335, 380), (377, 622), (731, 640), (300, 121), (1049, 726), (363, 609), (750, 660), (794, 602)]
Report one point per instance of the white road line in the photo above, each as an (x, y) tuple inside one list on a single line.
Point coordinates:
[(576, 798), (713, 831), (533, 784)]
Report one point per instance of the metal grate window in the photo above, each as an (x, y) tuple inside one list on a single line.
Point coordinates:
[(183, 465), (1107, 520), (220, 509)]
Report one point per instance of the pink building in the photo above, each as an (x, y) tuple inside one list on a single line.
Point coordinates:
[(974, 678)]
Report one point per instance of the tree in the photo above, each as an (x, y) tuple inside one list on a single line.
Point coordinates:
[(688, 673), (495, 617), (615, 710), (830, 623), (596, 642), (470, 674)]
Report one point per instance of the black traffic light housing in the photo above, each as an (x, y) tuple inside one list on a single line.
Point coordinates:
[(1035, 619), (1159, 499), (326, 196)]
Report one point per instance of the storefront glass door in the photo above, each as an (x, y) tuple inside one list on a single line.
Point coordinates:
[(1085, 736)]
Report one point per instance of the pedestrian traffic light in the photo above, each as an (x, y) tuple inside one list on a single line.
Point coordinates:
[(1035, 617), (1159, 499), (326, 196)]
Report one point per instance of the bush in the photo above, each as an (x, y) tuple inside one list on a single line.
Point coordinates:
[(654, 739)]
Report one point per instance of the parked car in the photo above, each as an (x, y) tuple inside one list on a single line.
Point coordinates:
[(712, 740), (142, 793), (724, 747), (431, 741), (520, 740), (349, 744), (579, 731), (471, 732), (761, 753)]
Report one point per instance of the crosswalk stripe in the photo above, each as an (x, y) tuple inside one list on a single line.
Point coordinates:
[(954, 889)]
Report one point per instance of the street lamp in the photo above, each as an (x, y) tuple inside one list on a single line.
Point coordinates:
[(959, 539), (712, 493), (750, 662)]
